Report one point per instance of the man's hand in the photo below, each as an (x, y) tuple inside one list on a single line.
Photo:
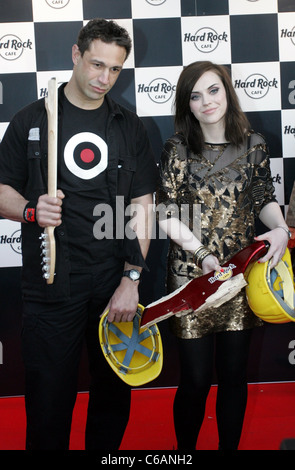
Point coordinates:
[(123, 303), (49, 210)]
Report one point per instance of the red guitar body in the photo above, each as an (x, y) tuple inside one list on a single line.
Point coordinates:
[(193, 295)]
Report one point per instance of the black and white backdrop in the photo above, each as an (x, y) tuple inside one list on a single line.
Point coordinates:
[(255, 38)]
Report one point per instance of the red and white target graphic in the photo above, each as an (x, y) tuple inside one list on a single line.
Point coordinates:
[(78, 162)]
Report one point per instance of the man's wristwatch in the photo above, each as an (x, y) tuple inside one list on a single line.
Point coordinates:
[(133, 274)]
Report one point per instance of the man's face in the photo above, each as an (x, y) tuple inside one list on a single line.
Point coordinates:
[(96, 72)]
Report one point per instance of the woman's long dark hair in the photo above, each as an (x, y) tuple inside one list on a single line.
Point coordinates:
[(236, 123)]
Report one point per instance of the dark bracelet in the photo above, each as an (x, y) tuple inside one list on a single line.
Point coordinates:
[(29, 213), (200, 254)]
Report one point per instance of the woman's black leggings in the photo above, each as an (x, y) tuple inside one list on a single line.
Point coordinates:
[(230, 350)]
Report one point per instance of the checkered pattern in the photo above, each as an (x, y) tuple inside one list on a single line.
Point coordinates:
[(255, 38)]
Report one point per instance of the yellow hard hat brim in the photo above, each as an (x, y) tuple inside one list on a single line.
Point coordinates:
[(270, 297), (135, 354)]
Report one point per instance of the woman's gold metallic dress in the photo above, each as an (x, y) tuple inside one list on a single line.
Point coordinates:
[(225, 189)]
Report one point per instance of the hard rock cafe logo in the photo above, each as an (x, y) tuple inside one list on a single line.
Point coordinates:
[(256, 86), (289, 130), (14, 240), (12, 47), (223, 275), (159, 90), (206, 39), (57, 3), (288, 33), (155, 2)]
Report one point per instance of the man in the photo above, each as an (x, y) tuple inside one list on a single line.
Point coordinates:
[(103, 154)]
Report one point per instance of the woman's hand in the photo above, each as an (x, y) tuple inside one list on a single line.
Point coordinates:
[(271, 216), (278, 240), (210, 263)]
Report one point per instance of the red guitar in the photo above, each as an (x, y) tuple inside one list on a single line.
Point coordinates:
[(210, 290)]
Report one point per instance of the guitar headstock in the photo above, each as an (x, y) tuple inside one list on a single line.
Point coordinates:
[(51, 98), (48, 254)]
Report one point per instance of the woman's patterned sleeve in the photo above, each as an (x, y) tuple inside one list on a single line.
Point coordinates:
[(263, 191), (171, 180)]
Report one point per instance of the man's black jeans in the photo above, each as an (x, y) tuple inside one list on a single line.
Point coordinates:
[(52, 340)]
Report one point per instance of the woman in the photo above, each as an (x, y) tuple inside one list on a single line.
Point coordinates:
[(214, 163)]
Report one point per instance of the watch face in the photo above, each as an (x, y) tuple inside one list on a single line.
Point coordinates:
[(134, 275)]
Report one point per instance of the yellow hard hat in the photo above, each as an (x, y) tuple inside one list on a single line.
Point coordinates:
[(270, 292), (134, 354)]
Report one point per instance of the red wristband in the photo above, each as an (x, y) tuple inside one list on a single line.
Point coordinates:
[(29, 214)]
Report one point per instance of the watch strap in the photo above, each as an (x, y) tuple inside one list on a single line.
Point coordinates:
[(128, 274)]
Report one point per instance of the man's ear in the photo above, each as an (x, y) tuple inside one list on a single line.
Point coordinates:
[(76, 54)]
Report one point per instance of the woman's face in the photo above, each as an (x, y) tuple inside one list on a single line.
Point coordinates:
[(208, 101)]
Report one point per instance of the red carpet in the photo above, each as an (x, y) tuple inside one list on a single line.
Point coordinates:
[(270, 418)]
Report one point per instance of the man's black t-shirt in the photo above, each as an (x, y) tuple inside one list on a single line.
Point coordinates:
[(83, 160)]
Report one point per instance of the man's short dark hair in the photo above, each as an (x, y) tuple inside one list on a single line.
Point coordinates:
[(107, 31)]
